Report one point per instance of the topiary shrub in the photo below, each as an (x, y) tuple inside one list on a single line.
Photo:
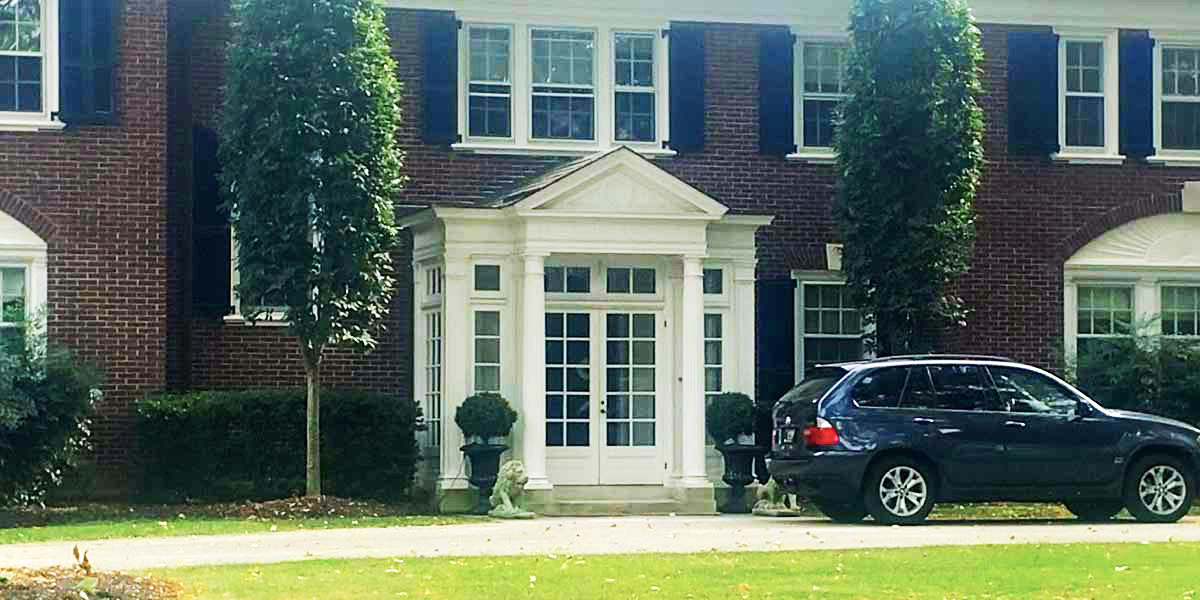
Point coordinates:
[(46, 400), (485, 415), (728, 415), (250, 445)]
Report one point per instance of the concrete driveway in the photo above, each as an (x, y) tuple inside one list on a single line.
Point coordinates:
[(586, 535)]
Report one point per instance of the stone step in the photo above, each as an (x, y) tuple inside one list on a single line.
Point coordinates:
[(604, 508), (613, 492)]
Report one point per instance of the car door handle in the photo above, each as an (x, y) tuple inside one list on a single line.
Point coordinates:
[(923, 420), (1017, 424)]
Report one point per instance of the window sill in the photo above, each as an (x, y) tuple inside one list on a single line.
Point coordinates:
[(37, 124), (1084, 158), (1175, 160), (816, 158), (551, 149), (269, 321)]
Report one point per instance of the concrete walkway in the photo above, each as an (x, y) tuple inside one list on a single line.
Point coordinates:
[(589, 535)]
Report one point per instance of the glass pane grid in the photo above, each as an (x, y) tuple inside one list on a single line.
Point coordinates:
[(1181, 72), (568, 379), (1180, 310), (823, 89), (630, 379), (21, 56), (1104, 311), (713, 355), (433, 376), (487, 351), (563, 84)]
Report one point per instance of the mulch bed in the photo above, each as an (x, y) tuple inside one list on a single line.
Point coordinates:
[(73, 584), (288, 508)]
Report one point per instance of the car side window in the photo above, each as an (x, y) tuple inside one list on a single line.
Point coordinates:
[(1026, 391), (963, 387), (880, 388), (918, 391)]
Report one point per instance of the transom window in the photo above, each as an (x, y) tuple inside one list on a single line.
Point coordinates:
[(714, 281), (625, 280), (569, 280), (13, 302), (564, 86), (634, 91), (1104, 312), (433, 281), (22, 56), (1180, 98), (832, 326), (822, 85), (489, 85), (1085, 111), (1180, 310), (487, 278)]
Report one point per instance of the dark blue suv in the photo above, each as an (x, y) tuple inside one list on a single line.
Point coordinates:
[(891, 437)]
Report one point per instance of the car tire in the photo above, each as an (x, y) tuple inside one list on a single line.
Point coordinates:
[(842, 513), (899, 491), (1095, 510), (1159, 489)]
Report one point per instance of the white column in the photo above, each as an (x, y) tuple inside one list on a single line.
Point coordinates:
[(743, 326), (533, 371), (692, 373), (456, 359)]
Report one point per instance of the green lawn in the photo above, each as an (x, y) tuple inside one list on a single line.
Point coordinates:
[(1156, 571)]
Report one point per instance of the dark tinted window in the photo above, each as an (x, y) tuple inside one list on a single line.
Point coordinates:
[(918, 392), (880, 388), (1029, 392), (962, 387)]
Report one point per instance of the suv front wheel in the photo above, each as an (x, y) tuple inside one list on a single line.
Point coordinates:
[(899, 491), (1159, 489)]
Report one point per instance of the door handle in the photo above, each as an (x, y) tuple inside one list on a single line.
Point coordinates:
[(923, 420), (1017, 424)]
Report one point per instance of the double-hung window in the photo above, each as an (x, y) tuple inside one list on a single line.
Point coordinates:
[(821, 86), (1104, 312), (489, 84), (563, 93), (831, 325), (1088, 95), (1180, 99), (28, 63), (634, 86), (1180, 310), (13, 303)]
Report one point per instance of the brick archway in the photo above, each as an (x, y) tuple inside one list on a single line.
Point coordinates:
[(28, 216), (1151, 205)]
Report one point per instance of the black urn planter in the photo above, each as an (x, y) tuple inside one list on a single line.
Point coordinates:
[(739, 472), (485, 465)]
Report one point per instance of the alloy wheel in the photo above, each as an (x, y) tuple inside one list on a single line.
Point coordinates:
[(903, 491), (1162, 489)]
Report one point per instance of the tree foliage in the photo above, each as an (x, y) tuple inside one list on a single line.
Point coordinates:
[(310, 167), (910, 151)]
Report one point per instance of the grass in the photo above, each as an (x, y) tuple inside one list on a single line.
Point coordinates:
[(993, 572), (108, 521)]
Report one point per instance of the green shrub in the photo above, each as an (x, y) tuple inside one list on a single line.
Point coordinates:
[(1148, 373), (486, 415), (728, 415), (238, 445), (45, 402)]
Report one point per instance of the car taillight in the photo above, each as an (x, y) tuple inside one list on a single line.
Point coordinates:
[(822, 434)]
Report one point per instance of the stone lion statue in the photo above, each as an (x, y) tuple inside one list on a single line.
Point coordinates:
[(507, 495), (772, 501)]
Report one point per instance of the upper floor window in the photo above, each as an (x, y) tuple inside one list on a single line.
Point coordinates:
[(1180, 91), (22, 56), (565, 88), (822, 88), (1088, 93)]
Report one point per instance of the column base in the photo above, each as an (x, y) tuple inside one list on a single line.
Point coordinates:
[(694, 481), (538, 484)]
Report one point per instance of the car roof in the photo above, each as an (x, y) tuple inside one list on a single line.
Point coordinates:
[(917, 359)]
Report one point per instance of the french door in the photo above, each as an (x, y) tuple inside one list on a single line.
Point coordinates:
[(603, 394)]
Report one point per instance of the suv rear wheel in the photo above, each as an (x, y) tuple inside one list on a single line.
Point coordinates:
[(1095, 510), (899, 491), (842, 513), (1159, 489)]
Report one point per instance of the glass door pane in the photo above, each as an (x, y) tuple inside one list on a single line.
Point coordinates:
[(568, 379), (630, 379)]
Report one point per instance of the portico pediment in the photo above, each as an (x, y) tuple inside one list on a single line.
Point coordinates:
[(618, 183)]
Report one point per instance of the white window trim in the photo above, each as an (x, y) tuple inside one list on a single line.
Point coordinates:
[(1107, 154), (1172, 157), (811, 154), (46, 119), (520, 76), (271, 318), (1147, 287), (802, 278)]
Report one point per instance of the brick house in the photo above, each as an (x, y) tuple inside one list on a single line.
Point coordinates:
[(613, 210)]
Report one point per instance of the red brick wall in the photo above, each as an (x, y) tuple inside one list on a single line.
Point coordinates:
[(98, 194)]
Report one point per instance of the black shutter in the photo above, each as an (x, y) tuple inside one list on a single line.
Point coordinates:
[(441, 78), (1032, 92), (776, 338), (687, 87), (776, 105), (211, 256), (87, 60), (1137, 95)]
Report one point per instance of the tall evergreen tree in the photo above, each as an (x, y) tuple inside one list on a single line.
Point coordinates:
[(310, 169), (910, 151)]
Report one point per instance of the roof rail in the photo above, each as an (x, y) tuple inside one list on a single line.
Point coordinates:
[(941, 356)]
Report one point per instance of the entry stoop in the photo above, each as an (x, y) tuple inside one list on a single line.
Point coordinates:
[(617, 500)]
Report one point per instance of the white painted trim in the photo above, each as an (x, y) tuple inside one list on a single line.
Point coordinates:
[(1085, 158), (1110, 79), (552, 150), (810, 156)]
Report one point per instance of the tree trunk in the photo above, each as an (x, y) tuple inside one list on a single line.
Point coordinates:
[(312, 469)]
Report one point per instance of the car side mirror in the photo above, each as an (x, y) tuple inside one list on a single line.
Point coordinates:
[(1082, 411)]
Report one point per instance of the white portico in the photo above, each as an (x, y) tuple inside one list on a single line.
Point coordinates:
[(604, 300)]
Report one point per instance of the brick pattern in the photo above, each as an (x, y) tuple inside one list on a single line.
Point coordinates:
[(98, 197)]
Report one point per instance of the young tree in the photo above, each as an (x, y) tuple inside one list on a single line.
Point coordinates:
[(310, 165), (909, 151)]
